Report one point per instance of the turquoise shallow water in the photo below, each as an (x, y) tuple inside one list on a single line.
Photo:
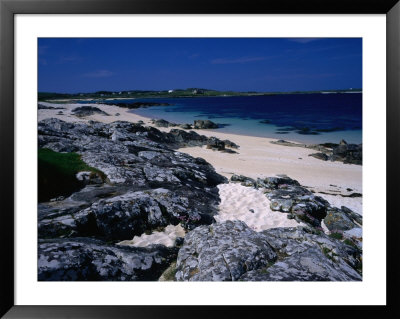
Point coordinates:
[(249, 126), (305, 118)]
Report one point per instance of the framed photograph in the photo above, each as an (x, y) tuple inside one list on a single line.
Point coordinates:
[(164, 158)]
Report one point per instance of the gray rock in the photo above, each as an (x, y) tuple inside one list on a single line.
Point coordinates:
[(137, 162), (84, 259), (215, 143), (204, 124), (186, 126), (232, 251), (303, 256), (222, 252), (244, 180), (276, 182), (356, 218), (230, 144), (320, 156), (162, 123), (87, 110), (355, 232), (302, 205), (347, 153), (339, 220)]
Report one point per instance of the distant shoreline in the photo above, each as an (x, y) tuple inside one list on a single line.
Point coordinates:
[(188, 93)]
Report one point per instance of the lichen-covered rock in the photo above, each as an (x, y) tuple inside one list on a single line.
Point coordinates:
[(147, 185), (84, 259), (130, 214), (302, 205), (303, 256), (232, 251), (339, 220), (222, 252)]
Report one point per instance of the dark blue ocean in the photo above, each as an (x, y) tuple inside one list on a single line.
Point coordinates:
[(307, 118)]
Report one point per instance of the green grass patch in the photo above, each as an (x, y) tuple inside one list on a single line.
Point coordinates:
[(336, 235), (57, 173)]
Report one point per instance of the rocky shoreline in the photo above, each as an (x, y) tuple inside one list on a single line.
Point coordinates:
[(148, 185), (342, 152)]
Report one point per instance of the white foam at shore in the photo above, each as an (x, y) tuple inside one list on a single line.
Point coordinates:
[(250, 206), (167, 237)]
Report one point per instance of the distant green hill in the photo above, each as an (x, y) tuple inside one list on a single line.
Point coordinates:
[(189, 92)]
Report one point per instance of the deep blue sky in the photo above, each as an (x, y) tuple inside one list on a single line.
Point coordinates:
[(241, 64)]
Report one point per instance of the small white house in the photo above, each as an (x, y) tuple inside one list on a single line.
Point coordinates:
[(170, 91)]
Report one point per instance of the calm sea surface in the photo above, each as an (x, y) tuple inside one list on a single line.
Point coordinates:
[(307, 118)]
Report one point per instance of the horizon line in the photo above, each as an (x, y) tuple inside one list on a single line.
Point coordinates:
[(179, 89)]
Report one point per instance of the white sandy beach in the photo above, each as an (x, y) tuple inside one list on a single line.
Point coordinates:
[(250, 206), (166, 237), (256, 157)]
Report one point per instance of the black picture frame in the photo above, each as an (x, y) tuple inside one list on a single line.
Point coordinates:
[(9, 8)]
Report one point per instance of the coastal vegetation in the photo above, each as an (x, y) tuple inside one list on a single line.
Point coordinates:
[(173, 93), (57, 173)]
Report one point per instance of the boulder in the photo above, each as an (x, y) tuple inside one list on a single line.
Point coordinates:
[(230, 144), (304, 256), (300, 203), (231, 251), (85, 259), (347, 153), (222, 252), (320, 156), (244, 180), (186, 126), (87, 110), (216, 144), (340, 220), (163, 123), (204, 124)]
